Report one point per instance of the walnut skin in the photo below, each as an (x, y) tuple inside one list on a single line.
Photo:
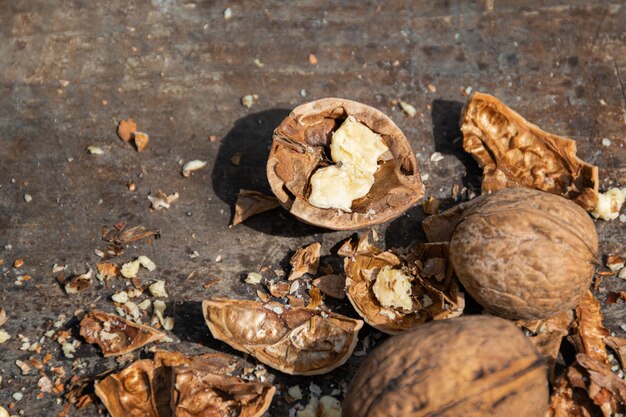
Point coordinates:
[(524, 254), (478, 366), (515, 153), (298, 150)]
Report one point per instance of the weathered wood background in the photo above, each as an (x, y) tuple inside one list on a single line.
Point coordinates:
[(69, 70)]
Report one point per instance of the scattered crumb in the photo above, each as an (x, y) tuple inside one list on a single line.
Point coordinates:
[(436, 157), (258, 63), (248, 100), (141, 140), (159, 309), (18, 263), (228, 13), (218, 258), (120, 297), (132, 186), (254, 278), (622, 273), (144, 305), (312, 59), (432, 88), (329, 407), (4, 336), (146, 263), (407, 108), (28, 198), (236, 158), (606, 142), (425, 177), (95, 150), (213, 138), (192, 166), (130, 269), (161, 200), (125, 129), (311, 408), (158, 289), (23, 367), (609, 204), (295, 392), (17, 396), (615, 262)]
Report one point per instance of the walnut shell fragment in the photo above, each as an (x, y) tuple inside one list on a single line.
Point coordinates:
[(296, 341), (250, 203), (480, 366), (522, 253), (128, 392), (515, 153), (433, 288), (116, 335), (300, 146), (305, 261)]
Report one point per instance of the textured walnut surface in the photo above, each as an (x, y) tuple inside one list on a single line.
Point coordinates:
[(524, 254), (296, 341), (516, 153), (479, 366), (299, 148)]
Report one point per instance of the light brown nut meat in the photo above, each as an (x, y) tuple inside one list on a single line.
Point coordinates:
[(524, 254), (516, 153), (298, 150), (481, 366), (128, 393), (296, 341), (197, 393), (434, 290), (116, 335)]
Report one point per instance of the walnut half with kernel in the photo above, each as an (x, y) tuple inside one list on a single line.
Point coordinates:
[(342, 165)]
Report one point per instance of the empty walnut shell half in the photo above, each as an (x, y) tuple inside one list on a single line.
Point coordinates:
[(479, 366), (434, 293), (522, 253), (300, 147), (515, 153), (128, 392), (296, 341)]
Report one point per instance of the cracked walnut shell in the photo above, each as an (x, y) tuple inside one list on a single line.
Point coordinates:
[(433, 289), (300, 147), (296, 341), (515, 153), (522, 253), (479, 366)]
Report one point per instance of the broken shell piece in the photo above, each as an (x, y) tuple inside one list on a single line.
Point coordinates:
[(332, 285), (125, 129), (116, 335), (394, 294), (296, 341), (198, 393), (250, 203), (516, 153), (107, 270), (299, 150), (128, 393), (161, 200), (279, 289), (191, 166), (141, 140), (305, 261), (79, 283)]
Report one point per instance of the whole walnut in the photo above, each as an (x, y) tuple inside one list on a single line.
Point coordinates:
[(524, 254), (478, 366)]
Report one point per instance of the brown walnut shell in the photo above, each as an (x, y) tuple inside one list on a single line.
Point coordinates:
[(435, 291), (114, 334), (479, 366), (522, 253), (298, 150), (296, 341), (515, 153)]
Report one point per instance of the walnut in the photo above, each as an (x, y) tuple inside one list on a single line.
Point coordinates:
[(425, 289), (296, 341), (128, 392), (521, 253), (516, 153), (474, 365), (301, 148)]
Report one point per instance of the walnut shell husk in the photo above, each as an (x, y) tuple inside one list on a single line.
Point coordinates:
[(515, 153), (115, 335), (434, 289), (296, 341), (522, 253), (479, 366), (298, 150)]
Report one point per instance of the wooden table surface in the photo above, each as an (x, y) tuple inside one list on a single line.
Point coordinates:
[(70, 70)]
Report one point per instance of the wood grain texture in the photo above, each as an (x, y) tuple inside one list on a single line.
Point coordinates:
[(71, 70)]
